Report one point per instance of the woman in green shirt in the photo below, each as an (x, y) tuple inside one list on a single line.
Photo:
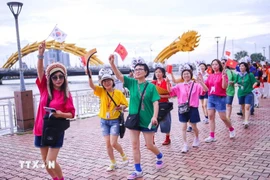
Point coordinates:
[(148, 113), (246, 83)]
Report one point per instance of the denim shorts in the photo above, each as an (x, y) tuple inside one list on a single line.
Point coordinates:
[(165, 125), (204, 96), (145, 130), (59, 143), (109, 127), (217, 103), (192, 116), (229, 100), (247, 99)]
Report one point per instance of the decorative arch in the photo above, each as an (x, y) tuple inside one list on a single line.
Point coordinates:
[(187, 42), (70, 48)]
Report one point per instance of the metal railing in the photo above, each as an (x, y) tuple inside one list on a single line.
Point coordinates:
[(85, 102), (7, 122)]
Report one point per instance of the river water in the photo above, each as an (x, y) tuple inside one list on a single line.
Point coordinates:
[(75, 83), (9, 86)]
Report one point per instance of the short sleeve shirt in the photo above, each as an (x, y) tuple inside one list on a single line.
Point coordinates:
[(57, 102), (163, 85), (246, 82), (214, 84), (107, 105), (151, 95)]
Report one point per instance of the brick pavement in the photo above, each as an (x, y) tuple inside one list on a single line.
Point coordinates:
[(83, 155)]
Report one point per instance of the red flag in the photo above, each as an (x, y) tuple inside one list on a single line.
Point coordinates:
[(83, 60), (209, 70), (231, 63), (169, 69), (121, 50), (228, 53)]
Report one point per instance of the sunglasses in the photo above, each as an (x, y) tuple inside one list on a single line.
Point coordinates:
[(139, 69), (55, 77)]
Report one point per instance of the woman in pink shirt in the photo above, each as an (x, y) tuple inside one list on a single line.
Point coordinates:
[(217, 83), (54, 93), (182, 91)]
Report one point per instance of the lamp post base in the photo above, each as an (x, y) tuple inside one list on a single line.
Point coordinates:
[(24, 110)]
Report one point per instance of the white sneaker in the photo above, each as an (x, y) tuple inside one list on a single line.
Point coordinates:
[(196, 142), (185, 148), (111, 167), (210, 139), (206, 121), (125, 160), (232, 134), (135, 175), (246, 124)]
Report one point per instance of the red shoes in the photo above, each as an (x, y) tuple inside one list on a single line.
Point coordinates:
[(167, 141)]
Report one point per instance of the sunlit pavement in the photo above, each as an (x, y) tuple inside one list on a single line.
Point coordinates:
[(84, 156)]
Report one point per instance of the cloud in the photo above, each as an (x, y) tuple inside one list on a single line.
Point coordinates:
[(139, 25)]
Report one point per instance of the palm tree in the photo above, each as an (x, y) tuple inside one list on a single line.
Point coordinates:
[(240, 55), (257, 57)]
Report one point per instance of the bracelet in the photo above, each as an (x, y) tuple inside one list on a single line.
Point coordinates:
[(40, 56)]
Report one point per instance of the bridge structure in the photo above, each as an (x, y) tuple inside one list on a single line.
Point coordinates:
[(185, 43), (30, 48), (71, 72)]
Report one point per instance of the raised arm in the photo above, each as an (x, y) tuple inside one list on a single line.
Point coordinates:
[(175, 81), (173, 78), (201, 82), (168, 84), (40, 67), (224, 79), (116, 71)]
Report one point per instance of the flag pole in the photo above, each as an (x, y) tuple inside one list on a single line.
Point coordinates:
[(224, 45), (51, 32)]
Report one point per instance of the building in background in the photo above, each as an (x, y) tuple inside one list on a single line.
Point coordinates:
[(54, 55), (24, 65)]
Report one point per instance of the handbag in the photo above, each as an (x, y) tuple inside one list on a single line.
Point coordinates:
[(133, 120), (121, 118), (164, 109), (184, 108), (52, 128)]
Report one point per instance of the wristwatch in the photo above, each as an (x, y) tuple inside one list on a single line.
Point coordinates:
[(40, 56)]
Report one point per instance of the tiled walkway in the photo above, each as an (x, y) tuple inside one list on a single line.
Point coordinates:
[(84, 156)]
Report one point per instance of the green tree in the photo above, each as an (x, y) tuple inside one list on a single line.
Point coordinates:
[(255, 57), (240, 55)]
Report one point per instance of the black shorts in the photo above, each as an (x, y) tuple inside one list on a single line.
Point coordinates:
[(59, 143), (193, 116), (204, 96)]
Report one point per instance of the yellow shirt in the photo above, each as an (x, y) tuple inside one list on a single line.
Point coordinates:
[(106, 104)]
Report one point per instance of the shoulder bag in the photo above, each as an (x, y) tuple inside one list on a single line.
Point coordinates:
[(52, 128), (184, 108), (121, 118), (133, 120)]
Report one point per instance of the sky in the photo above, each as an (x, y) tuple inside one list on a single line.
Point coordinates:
[(143, 27)]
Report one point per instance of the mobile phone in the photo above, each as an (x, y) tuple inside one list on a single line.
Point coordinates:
[(50, 110)]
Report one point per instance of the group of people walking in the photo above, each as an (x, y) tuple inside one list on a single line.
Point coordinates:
[(214, 91)]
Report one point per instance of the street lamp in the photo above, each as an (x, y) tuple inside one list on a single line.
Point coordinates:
[(217, 45), (15, 8)]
